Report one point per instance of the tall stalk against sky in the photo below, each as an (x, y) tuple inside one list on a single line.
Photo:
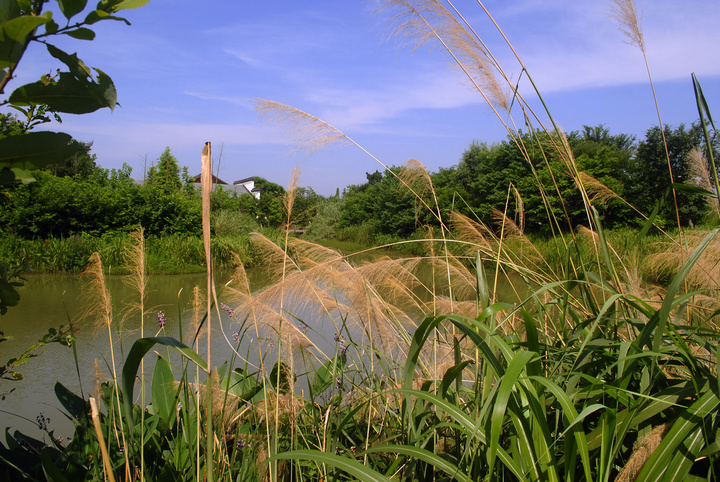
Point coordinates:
[(625, 12), (206, 179)]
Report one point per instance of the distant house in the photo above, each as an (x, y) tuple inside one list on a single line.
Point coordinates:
[(243, 186), (249, 185)]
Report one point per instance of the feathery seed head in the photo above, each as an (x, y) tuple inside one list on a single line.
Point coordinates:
[(306, 131), (625, 13)]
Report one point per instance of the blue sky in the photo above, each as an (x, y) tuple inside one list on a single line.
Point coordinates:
[(187, 72)]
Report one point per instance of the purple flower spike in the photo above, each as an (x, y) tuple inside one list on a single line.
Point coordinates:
[(161, 319), (228, 310)]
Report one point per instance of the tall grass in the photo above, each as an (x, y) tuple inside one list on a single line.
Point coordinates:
[(489, 356)]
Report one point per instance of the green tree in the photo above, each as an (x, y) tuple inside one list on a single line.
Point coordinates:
[(382, 203), (166, 173), (269, 209), (10, 125), (650, 179), (78, 166)]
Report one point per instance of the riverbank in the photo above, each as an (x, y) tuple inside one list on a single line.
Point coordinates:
[(178, 254)]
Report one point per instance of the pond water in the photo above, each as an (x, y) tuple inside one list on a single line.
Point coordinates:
[(48, 301)]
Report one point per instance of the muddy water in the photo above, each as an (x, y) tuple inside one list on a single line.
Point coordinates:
[(48, 301)]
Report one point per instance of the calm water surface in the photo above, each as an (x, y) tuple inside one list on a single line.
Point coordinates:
[(48, 301)]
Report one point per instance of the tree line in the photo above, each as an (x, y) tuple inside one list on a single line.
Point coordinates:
[(626, 176), (76, 196)]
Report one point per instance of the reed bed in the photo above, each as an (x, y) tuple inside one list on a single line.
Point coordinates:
[(489, 356)]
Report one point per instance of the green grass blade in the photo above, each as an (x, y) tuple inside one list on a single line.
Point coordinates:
[(572, 419), (468, 424), (687, 423), (350, 466), (507, 384), (424, 455)]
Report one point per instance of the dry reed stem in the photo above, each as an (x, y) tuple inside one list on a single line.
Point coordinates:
[(705, 273), (95, 415)]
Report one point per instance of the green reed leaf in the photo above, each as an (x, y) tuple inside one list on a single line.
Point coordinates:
[(325, 375), (677, 452), (350, 466), (50, 470), (661, 317), (515, 368), (76, 406), (424, 455)]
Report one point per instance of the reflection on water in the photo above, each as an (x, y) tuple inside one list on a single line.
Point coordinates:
[(48, 301)]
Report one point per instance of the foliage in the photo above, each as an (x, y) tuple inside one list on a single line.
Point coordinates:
[(648, 172), (60, 335), (166, 173), (77, 90), (81, 165), (382, 203)]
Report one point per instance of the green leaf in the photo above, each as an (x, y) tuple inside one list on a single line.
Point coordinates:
[(76, 66), (13, 36), (81, 34), (349, 466), (9, 9), (36, 149), (112, 6), (662, 315), (483, 290), (516, 366), (326, 375), (8, 296), (467, 423), (164, 391), (76, 406), (424, 455), (137, 352), (69, 94), (51, 471), (241, 384), (70, 8), (98, 15), (51, 27), (674, 457)]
